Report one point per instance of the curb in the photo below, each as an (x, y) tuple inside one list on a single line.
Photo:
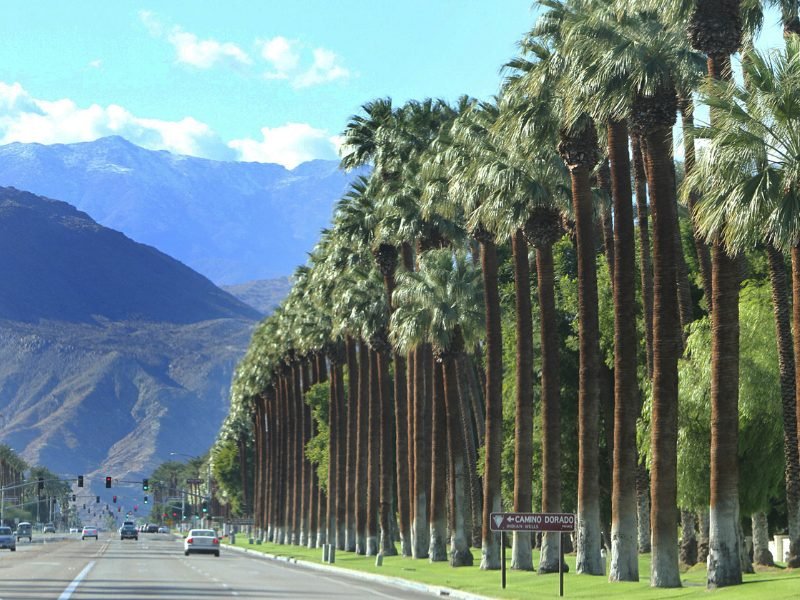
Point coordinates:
[(435, 590)]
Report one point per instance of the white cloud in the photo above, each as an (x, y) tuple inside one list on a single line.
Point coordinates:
[(191, 50), (205, 53), (325, 68), (96, 64), (285, 58), (288, 145), (27, 119), (282, 54)]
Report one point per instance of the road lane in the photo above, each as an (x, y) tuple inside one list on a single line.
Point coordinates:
[(155, 568)]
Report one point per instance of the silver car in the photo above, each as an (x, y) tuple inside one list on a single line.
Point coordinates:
[(8, 539), (201, 541)]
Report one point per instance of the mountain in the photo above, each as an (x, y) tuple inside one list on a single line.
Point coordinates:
[(264, 295), (231, 221), (112, 354)]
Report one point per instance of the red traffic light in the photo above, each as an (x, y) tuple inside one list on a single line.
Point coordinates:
[(115, 499), (108, 482)]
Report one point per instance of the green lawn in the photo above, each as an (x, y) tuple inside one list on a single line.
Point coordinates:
[(771, 584)]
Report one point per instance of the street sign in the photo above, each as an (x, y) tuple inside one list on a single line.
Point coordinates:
[(532, 522), (555, 522), (193, 480)]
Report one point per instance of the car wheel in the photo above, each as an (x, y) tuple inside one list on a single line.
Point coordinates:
[(82, 538), (216, 554), (13, 549), (186, 553)]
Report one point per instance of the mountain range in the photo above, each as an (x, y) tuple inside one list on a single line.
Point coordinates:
[(112, 354), (234, 222)]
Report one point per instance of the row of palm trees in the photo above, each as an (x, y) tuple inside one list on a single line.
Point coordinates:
[(398, 314)]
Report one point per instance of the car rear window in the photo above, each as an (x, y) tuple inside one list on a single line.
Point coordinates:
[(204, 533)]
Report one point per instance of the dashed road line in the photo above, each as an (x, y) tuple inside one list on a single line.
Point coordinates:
[(67, 593)]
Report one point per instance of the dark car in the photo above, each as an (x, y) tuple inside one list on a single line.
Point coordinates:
[(25, 530), (152, 528), (128, 532)]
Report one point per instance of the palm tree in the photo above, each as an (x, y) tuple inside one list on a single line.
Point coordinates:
[(751, 201), (441, 304)]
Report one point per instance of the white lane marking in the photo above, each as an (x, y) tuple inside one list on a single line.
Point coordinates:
[(67, 593), (358, 587)]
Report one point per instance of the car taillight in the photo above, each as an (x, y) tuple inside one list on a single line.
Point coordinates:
[(189, 540), (216, 541)]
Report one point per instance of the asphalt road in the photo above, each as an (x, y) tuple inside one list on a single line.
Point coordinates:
[(154, 567)]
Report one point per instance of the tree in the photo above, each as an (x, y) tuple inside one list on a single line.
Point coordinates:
[(441, 304), (751, 199)]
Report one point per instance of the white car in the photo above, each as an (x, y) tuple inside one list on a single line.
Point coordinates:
[(201, 541), (89, 532)]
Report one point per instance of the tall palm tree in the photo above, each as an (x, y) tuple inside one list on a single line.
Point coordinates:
[(754, 135), (441, 304)]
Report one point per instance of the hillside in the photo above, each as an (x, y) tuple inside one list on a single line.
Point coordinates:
[(112, 354), (231, 221)]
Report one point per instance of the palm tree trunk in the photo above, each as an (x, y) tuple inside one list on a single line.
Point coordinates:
[(460, 556), (688, 554), (465, 367), (724, 567), (362, 455), (490, 543), (551, 404), (373, 451), (521, 553), (589, 541), (437, 550), (703, 526), (786, 367), (624, 555), (645, 264), (401, 454), (419, 525), (333, 451), (761, 554), (666, 342), (387, 458), (299, 450), (351, 480)]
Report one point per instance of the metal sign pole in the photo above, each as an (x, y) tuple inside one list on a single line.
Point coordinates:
[(503, 557), (560, 566)]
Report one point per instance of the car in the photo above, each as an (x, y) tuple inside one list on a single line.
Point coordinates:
[(73, 530), (163, 529), (128, 531), (152, 528), (201, 541), (89, 532), (49, 528), (8, 539), (24, 530)]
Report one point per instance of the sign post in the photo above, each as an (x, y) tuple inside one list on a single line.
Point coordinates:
[(534, 522)]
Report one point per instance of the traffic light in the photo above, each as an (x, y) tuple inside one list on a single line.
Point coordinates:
[(108, 482), (145, 484), (40, 483), (119, 509), (73, 497), (98, 500), (115, 499), (205, 506), (84, 507), (80, 480), (145, 499)]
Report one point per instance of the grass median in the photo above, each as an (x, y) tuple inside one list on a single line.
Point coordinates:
[(769, 583)]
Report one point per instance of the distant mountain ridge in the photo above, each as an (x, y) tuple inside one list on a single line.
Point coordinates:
[(231, 221), (112, 354)]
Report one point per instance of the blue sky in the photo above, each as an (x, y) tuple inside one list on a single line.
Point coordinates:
[(240, 80), (271, 81)]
